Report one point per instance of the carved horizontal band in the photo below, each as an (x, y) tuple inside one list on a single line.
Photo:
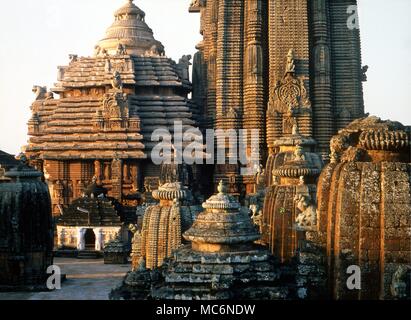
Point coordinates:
[(296, 172), (384, 140)]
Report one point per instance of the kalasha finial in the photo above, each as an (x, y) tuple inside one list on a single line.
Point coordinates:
[(222, 188)]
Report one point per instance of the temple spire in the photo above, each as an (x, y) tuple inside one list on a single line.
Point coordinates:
[(131, 31)]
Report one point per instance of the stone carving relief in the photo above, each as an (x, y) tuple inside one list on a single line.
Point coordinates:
[(73, 58), (119, 65), (290, 67), (197, 3), (117, 82), (307, 218), (285, 14), (289, 123), (369, 133), (255, 59), (156, 50), (97, 50), (60, 73), (299, 154), (232, 114), (257, 216), (115, 107), (364, 70), (121, 50), (40, 92), (400, 281), (184, 67), (290, 93)]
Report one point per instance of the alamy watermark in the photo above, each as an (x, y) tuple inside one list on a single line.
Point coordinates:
[(354, 280), (353, 19), (191, 146), (54, 281)]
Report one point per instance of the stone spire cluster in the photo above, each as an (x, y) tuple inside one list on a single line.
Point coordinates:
[(271, 64), (222, 261), (164, 224)]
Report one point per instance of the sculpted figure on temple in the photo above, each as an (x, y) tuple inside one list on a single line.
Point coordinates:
[(141, 265), (257, 216), (156, 50), (40, 92), (299, 154), (290, 68), (49, 95), (364, 70), (121, 50), (97, 50), (260, 177), (184, 64), (117, 83), (135, 243), (399, 282), (295, 130), (60, 73), (73, 57), (307, 219), (197, 3)]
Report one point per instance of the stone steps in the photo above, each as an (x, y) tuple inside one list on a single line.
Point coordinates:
[(89, 254)]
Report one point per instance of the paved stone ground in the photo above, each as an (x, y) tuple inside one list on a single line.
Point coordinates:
[(86, 280)]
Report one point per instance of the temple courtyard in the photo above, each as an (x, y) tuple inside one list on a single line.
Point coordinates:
[(86, 280)]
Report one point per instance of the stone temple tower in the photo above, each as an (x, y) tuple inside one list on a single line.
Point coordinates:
[(99, 118), (276, 64)]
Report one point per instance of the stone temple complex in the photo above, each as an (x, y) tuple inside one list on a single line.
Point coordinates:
[(273, 64), (330, 191), (108, 105)]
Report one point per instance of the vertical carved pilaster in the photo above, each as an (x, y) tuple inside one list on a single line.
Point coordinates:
[(254, 98), (200, 82), (136, 177), (117, 178), (98, 171), (321, 76), (210, 38), (346, 63), (288, 29), (229, 88)]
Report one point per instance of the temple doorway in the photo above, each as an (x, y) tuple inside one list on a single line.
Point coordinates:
[(90, 239)]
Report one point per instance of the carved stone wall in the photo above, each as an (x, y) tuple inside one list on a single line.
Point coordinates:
[(242, 86), (346, 64), (26, 233), (364, 205), (164, 224), (288, 30), (255, 72)]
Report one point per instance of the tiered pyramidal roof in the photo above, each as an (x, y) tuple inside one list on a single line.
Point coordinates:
[(110, 103)]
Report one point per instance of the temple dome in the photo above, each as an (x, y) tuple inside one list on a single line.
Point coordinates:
[(130, 30)]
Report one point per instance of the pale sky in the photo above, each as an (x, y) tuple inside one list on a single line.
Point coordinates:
[(37, 36)]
